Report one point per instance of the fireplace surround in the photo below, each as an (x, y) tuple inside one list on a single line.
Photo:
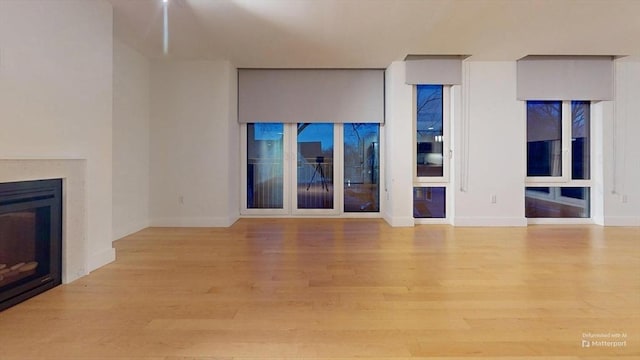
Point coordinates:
[(30, 239)]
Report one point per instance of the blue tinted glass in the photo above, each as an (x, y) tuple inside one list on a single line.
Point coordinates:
[(580, 140), (265, 166), (315, 166), (557, 202), (361, 167), (429, 202), (544, 138), (429, 127)]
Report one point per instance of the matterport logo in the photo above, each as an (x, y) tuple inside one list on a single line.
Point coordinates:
[(606, 340)]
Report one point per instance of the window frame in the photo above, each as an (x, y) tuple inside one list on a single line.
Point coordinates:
[(449, 98), (289, 209), (566, 179), (286, 181), (419, 181)]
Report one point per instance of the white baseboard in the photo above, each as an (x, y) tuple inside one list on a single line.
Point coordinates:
[(399, 221), (119, 234), (621, 221), (489, 221), (195, 222), (101, 259)]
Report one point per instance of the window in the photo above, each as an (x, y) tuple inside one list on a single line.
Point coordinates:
[(544, 138), (429, 131), (429, 202), (315, 166), (311, 168), (265, 160), (431, 151), (558, 159), (361, 167)]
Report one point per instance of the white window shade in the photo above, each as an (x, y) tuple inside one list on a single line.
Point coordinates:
[(565, 78), (311, 96), (433, 70)]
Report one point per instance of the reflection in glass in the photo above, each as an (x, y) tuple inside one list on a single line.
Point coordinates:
[(429, 137), (429, 202), (544, 138), (580, 140), (265, 166), (315, 166), (557, 202), (361, 167)]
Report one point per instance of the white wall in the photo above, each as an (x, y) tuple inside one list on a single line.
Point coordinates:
[(398, 148), (194, 144), (130, 140), (490, 151), (56, 97), (233, 145), (622, 149), (488, 148)]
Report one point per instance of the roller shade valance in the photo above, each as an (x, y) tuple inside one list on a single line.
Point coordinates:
[(311, 96), (565, 78), (436, 70)]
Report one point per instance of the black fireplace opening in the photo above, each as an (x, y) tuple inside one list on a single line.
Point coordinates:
[(30, 239)]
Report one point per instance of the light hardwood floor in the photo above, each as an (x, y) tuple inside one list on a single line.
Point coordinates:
[(329, 289)]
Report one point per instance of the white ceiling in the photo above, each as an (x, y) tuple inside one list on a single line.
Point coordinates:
[(373, 33)]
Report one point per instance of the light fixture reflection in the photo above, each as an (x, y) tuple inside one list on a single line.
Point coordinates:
[(165, 29)]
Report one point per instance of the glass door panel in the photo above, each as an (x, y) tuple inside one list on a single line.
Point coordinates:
[(315, 166), (361, 167), (265, 160)]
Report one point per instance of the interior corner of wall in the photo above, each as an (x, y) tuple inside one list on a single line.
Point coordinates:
[(397, 221)]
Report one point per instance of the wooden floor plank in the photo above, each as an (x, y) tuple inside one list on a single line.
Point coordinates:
[(342, 289)]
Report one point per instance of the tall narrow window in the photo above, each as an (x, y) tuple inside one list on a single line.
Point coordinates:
[(431, 151), (361, 167), (429, 131), (580, 140), (265, 166)]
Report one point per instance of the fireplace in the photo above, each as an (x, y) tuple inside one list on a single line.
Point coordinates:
[(30, 239)]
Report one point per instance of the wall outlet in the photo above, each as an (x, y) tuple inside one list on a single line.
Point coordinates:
[(494, 199), (181, 200), (624, 199)]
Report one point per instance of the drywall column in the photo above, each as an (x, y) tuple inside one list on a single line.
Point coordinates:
[(490, 142), (622, 148), (398, 154), (130, 140), (194, 144), (56, 91)]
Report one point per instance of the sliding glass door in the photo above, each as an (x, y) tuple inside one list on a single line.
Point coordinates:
[(311, 169)]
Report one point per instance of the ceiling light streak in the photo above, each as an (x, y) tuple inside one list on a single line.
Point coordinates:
[(165, 32)]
